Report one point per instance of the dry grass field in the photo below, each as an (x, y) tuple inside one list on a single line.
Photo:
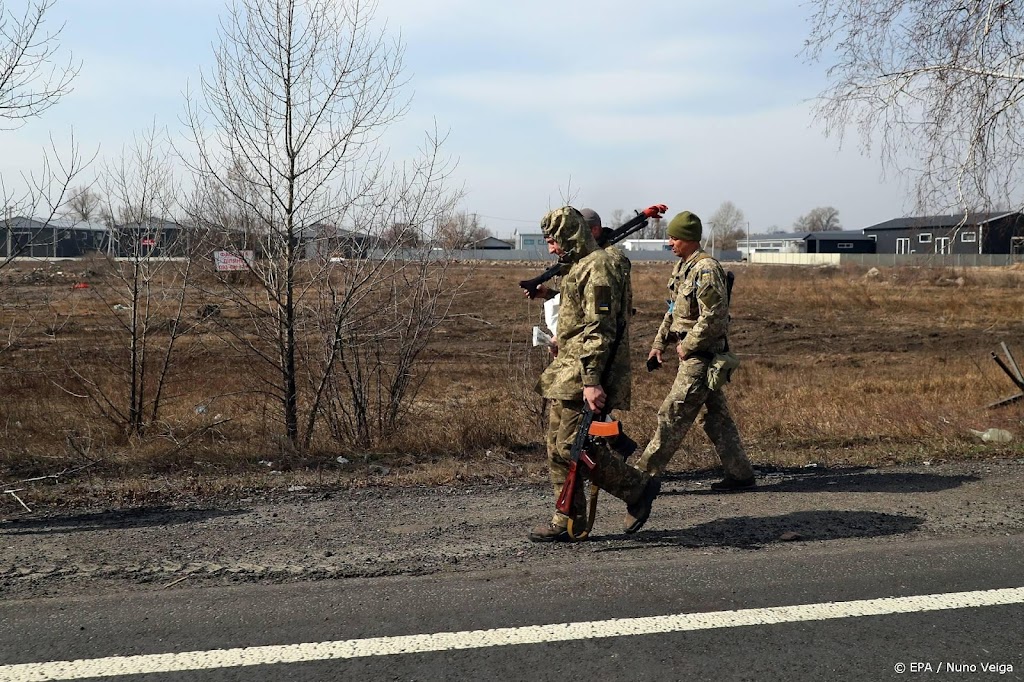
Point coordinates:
[(838, 367)]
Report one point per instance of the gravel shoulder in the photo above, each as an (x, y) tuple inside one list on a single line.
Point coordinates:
[(322, 534)]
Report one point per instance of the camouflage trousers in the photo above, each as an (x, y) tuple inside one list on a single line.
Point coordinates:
[(611, 474), (676, 415)]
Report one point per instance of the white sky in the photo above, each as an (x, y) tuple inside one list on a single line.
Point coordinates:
[(616, 105)]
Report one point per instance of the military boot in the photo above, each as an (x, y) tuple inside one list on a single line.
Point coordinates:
[(550, 532), (729, 483), (637, 513), (557, 530)]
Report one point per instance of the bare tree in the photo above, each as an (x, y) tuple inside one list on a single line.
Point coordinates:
[(376, 320), (461, 232), (83, 203), (937, 84), (820, 219), (33, 77), (143, 295), (727, 225), (286, 128), (401, 235), (657, 228)]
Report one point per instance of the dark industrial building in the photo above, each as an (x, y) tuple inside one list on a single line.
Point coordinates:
[(975, 233), (149, 238), (55, 238), (842, 241)]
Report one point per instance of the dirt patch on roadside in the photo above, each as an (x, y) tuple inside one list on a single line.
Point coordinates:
[(316, 534)]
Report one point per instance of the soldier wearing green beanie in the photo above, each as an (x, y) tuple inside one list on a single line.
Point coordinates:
[(686, 227), (697, 322)]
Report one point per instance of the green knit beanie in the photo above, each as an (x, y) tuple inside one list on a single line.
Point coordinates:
[(685, 226)]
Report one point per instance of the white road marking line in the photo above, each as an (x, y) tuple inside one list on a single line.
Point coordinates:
[(474, 639)]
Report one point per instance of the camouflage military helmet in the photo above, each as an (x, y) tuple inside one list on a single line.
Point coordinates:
[(568, 228)]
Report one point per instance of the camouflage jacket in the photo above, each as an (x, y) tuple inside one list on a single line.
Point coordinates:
[(555, 288), (698, 315), (593, 323)]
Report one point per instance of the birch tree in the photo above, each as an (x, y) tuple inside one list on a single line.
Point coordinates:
[(937, 86)]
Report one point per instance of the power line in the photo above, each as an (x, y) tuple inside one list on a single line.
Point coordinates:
[(511, 220)]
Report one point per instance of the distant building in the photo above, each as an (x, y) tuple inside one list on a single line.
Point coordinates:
[(975, 233), (530, 241), (780, 242), (154, 237), (329, 241), (646, 245), (839, 241), (53, 238), (490, 243)]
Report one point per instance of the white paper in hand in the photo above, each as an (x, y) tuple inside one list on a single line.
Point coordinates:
[(541, 337), (551, 314)]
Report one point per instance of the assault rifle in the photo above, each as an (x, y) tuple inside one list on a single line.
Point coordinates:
[(608, 237), (586, 434)]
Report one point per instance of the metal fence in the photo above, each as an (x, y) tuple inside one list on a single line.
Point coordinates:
[(534, 255), (954, 260), (511, 255)]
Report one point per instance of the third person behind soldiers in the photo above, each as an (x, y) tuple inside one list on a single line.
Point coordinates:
[(697, 322)]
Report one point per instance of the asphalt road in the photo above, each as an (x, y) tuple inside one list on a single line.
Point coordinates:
[(976, 642)]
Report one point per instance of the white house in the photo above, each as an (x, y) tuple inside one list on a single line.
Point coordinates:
[(780, 242), (529, 241), (646, 245)]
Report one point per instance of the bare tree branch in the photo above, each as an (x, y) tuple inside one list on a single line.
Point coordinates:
[(938, 86), (31, 78)]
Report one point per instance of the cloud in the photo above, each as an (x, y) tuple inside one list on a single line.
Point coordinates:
[(774, 165), (611, 104), (521, 91), (111, 79)]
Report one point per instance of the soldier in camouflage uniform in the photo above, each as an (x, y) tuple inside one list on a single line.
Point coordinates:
[(593, 366), (593, 220), (697, 322)]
